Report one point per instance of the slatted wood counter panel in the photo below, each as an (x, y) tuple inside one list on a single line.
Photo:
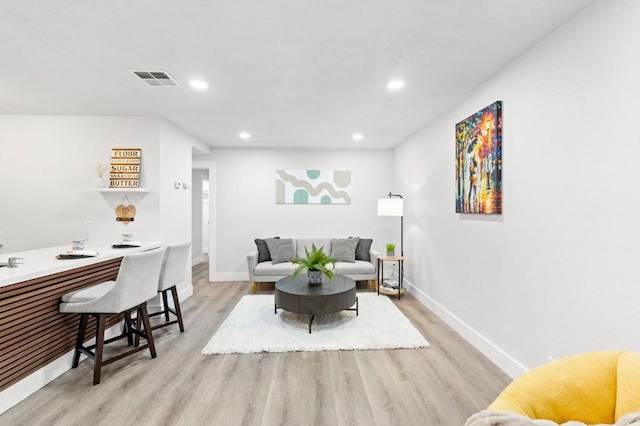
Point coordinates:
[(33, 332)]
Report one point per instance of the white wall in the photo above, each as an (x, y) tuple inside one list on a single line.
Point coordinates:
[(46, 162), (557, 273), (175, 203), (246, 209)]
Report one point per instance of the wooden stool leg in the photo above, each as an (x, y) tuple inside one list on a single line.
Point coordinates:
[(84, 318), (176, 304), (165, 302), (127, 328), (97, 367), (138, 327), (147, 330)]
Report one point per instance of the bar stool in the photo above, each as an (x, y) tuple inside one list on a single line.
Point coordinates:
[(136, 283), (172, 273)]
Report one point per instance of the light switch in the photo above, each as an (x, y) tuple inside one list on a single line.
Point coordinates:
[(90, 217)]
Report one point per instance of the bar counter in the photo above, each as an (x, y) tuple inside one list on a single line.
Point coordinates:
[(41, 262), (33, 333)]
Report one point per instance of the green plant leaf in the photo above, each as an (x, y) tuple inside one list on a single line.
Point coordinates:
[(315, 260)]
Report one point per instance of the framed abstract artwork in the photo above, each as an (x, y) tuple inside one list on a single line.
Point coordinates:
[(313, 187), (479, 162)]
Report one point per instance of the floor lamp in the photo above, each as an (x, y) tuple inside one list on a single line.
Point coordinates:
[(393, 205)]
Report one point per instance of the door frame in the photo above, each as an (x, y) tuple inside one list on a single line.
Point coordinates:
[(212, 166)]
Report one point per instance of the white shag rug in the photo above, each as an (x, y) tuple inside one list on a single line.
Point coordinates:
[(252, 327)]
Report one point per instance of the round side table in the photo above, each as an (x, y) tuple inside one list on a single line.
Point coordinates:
[(389, 291)]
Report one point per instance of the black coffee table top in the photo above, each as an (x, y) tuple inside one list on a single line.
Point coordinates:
[(300, 286)]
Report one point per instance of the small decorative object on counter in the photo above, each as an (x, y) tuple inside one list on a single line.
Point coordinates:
[(78, 245), (14, 261)]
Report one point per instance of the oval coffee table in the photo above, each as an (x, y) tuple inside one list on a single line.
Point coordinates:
[(297, 296)]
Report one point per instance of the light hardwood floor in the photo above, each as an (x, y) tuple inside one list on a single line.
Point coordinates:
[(441, 385)]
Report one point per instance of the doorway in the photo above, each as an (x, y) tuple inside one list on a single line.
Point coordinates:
[(203, 213), (199, 214)]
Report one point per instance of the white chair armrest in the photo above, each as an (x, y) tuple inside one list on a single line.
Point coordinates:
[(373, 258), (252, 261)]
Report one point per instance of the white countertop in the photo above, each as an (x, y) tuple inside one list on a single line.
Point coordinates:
[(42, 262)]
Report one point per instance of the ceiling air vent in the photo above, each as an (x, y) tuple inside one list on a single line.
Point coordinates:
[(156, 78)]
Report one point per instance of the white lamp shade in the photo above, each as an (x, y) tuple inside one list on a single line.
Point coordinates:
[(390, 206)]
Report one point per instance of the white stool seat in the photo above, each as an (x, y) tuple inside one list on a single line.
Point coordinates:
[(85, 295), (137, 282), (172, 273)]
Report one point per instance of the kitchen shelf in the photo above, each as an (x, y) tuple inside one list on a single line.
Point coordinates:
[(144, 190)]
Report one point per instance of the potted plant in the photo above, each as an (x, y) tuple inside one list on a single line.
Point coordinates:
[(315, 264), (391, 249)]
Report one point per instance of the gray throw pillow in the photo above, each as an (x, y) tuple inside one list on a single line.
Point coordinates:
[(362, 249), (281, 250), (345, 249), (263, 250)]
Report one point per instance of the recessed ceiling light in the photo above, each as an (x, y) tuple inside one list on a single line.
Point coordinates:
[(395, 85), (357, 136), (245, 136), (199, 84)]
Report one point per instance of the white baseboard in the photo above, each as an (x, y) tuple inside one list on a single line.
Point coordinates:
[(185, 293), (196, 260), (25, 387), (503, 360), (38, 379), (230, 276), (155, 304)]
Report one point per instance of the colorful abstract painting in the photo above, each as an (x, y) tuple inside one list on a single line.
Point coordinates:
[(479, 162), (313, 187)]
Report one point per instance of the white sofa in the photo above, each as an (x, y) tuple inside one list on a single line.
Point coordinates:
[(266, 272)]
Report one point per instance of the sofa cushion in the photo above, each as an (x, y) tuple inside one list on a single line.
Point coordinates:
[(281, 250), (263, 250), (271, 270), (344, 249), (362, 249), (353, 268), (301, 243)]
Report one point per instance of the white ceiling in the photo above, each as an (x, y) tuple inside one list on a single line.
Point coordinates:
[(294, 73)]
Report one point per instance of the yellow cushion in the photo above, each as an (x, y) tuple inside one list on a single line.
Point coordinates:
[(581, 388), (628, 398)]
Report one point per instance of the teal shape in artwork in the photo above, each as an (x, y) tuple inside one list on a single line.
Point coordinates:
[(325, 199), (301, 197), (313, 174)]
